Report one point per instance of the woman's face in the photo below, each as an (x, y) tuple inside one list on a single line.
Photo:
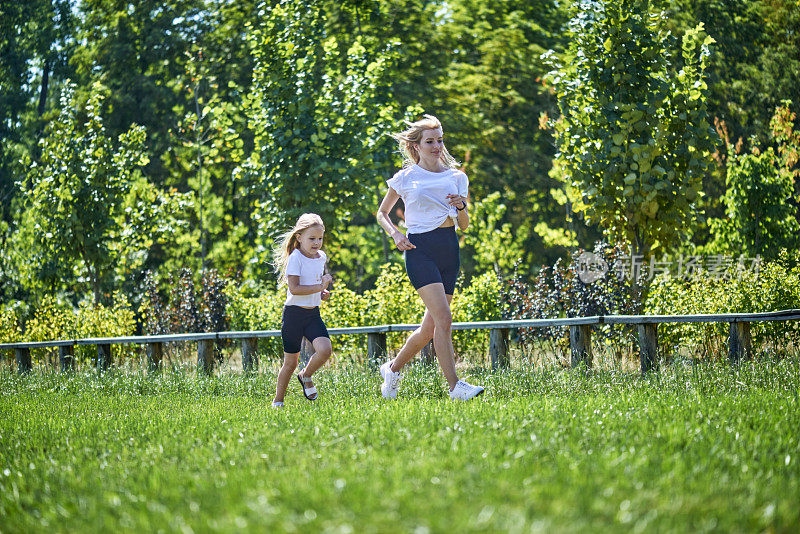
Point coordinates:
[(431, 145), (310, 240)]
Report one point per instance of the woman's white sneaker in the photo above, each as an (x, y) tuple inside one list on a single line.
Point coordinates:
[(464, 391), (391, 381)]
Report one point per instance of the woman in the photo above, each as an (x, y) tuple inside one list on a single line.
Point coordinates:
[(435, 194)]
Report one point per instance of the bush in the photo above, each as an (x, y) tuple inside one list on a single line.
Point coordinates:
[(482, 300), (10, 330), (775, 286), (559, 291), (54, 320)]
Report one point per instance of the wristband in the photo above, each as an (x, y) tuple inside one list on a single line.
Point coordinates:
[(463, 204)]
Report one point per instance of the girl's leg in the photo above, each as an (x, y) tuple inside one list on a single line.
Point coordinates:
[(416, 341), (438, 305), (285, 374), (322, 351)]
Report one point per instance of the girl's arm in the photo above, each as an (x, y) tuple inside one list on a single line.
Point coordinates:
[(296, 289), (400, 239)]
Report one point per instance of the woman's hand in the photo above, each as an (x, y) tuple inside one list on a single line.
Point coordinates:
[(401, 241), (457, 201)]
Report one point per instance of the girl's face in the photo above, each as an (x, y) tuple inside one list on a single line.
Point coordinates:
[(431, 146), (310, 240)]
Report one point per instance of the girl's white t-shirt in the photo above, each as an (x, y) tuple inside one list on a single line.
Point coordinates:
[(424, 194), (310, 271)]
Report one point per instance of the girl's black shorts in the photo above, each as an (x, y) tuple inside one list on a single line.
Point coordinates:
[(298, 322), (435, 260)]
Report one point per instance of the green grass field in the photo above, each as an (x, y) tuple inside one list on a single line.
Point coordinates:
[(693, 449)]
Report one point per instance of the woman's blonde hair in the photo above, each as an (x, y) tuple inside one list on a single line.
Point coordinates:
[(413, 136), (287, 242)]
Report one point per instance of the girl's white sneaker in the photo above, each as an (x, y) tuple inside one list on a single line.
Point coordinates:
[(464, 391), (277, 404)]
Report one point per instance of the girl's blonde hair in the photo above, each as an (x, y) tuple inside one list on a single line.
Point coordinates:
[(287, 242), (413, 136)]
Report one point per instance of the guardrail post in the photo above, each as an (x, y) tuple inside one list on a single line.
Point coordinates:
[(23, 356), (66, 358), (498, 347), (740, 343), (249, 355), (103, 356), (155, 352), (205, 356), (376, 348), (428, 353), (580, 344), (648, 346)]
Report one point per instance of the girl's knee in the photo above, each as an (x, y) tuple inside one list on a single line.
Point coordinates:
[(290, 362), (323, 348)]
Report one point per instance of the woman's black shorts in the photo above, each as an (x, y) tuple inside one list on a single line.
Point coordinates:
[(435, 260), (298, 322)]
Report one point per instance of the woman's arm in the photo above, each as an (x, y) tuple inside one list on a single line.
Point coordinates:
[(460, 203), (388, 202)]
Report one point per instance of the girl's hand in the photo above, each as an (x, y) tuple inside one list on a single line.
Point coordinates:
[(326, 279), (402, 242), (457, 201), (326, 294)]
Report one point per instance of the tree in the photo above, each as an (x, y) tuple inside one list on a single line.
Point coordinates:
[(633, 135), (85, 210), (35, 43), (761, 214), (496, 245), (319, 129)]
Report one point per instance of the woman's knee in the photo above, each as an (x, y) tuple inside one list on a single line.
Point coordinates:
[(442, 318)]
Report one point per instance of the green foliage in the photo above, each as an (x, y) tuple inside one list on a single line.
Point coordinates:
[(756, 60), (495, 245), (54, 320), (775, 286), (10, 330), (761, 219), (36, 41), (633, 136), (318, 124), (482, 300), (256, 310), (360, 253), (85, 210), (760, 203)]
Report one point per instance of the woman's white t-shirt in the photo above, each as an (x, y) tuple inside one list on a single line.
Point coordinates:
[(424, 194), (310, 271)]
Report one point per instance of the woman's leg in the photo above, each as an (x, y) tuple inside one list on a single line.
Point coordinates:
[(285, 374), (322, 351), (438, 305), (416, 341)]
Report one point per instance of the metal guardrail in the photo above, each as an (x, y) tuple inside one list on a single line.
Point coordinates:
[(740, 344)]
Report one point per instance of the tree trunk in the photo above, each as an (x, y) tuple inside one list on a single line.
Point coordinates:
[(43, 91)]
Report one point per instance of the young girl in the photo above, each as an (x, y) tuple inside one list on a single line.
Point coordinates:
[(434, 193), (300, 263)]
